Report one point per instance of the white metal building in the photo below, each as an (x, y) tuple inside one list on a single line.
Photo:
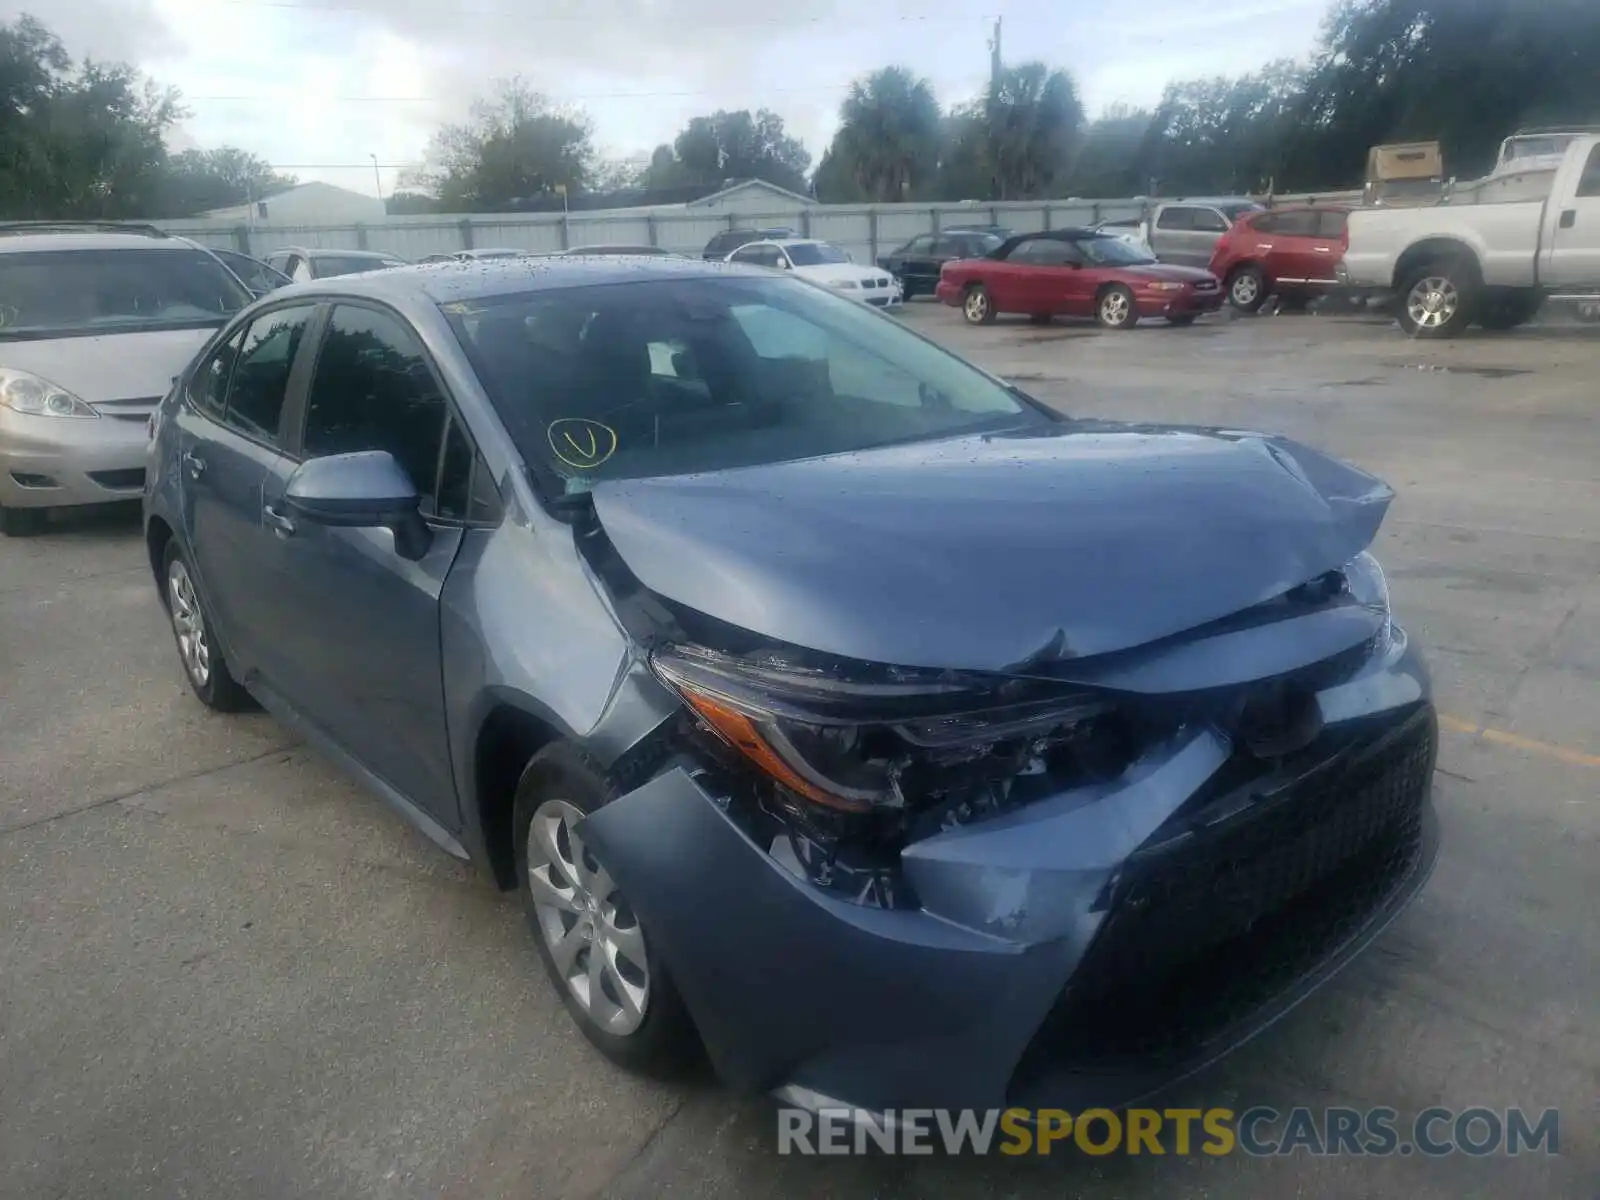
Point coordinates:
[(305, 204)]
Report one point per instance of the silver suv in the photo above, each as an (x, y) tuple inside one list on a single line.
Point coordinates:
[(1185, 232), (95, 321)]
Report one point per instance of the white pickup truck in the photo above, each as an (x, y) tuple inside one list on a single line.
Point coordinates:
[(1490, 252)]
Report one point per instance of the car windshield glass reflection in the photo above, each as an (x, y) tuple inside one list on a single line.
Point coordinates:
[(75, 291), (816, 254), (1112, 252), (675, 376)]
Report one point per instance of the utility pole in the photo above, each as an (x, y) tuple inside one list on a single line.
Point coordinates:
[(994, 54), (377, 179)]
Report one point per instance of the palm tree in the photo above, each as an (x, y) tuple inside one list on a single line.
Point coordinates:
[(1032, 119), (888, 139)]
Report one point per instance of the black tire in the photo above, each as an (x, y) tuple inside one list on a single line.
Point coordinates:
[(907, 289), (22, 522), (664, 1043), (215, 686), (977, 306), (1439, 299), (1116, 308), (1248, 288), (1503, 310), (1182, 320)]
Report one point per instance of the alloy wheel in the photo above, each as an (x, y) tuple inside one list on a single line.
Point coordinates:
[(977, 306), (188, 623), (1245, 289), (592, 935), (1433, 302), (1114, 308)]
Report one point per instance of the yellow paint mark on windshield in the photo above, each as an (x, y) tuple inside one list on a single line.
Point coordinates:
[(582, 443)]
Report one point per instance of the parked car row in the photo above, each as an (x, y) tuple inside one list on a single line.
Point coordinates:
[(1113, 272)]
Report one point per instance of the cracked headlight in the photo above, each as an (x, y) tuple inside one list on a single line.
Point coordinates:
[(876, 740), (1369, 587), (35, 397)]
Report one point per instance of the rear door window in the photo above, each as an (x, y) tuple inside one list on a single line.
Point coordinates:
[(1296, 224), (1209, 220), (1176, 218), (261, 371), (1589, 183), (1331, 223), (208, 387)]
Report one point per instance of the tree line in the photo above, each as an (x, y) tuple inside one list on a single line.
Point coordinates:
[(87, 140)]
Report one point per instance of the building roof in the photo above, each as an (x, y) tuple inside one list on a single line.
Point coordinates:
[(733, 186), (316, 188)]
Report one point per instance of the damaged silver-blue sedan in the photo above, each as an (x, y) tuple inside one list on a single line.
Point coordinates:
[(840, 712)]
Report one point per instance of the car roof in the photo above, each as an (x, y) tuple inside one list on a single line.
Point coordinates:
[(1067, 233), (477, 279), (333, 251), (17, 242)]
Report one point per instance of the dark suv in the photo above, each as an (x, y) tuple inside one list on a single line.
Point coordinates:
[(726, 242), (833, 705)]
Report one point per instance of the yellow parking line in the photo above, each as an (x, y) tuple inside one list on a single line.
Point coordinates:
[(1517, 742)]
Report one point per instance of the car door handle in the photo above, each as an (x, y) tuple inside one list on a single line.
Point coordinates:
[(1263, 245), (1569, 218), (1324, 249), (194, 464), (280, 523)]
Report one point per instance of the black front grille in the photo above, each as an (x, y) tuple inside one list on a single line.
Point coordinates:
[(1212, 922), (127, 477)]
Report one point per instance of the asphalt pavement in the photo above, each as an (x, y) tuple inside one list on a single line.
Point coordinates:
[(226, 971)]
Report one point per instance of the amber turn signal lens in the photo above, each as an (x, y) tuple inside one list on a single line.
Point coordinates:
[(740, 732)]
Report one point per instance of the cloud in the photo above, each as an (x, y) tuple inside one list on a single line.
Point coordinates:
[(115, 30), (319, 86)]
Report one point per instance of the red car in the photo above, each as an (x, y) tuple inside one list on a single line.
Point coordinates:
[(1288, 251), (1077, 273)]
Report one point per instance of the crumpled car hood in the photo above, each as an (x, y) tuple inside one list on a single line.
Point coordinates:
[(997, 552)]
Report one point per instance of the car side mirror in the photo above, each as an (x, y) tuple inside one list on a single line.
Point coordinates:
[(366, 489)]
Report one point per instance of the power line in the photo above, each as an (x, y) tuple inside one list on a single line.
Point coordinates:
[(523, 16), (279, 96)]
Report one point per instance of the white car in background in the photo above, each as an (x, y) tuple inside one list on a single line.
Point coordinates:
[(826, 264)]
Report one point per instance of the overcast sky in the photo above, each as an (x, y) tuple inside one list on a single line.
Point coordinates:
[(318, 87)]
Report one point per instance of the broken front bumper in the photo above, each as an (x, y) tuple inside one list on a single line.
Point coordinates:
[(1084, 950)]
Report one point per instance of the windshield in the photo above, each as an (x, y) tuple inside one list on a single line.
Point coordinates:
[(339, 264), (816, 254), (52, 293), (1110, 251), (1535, 147), (670, 376)]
